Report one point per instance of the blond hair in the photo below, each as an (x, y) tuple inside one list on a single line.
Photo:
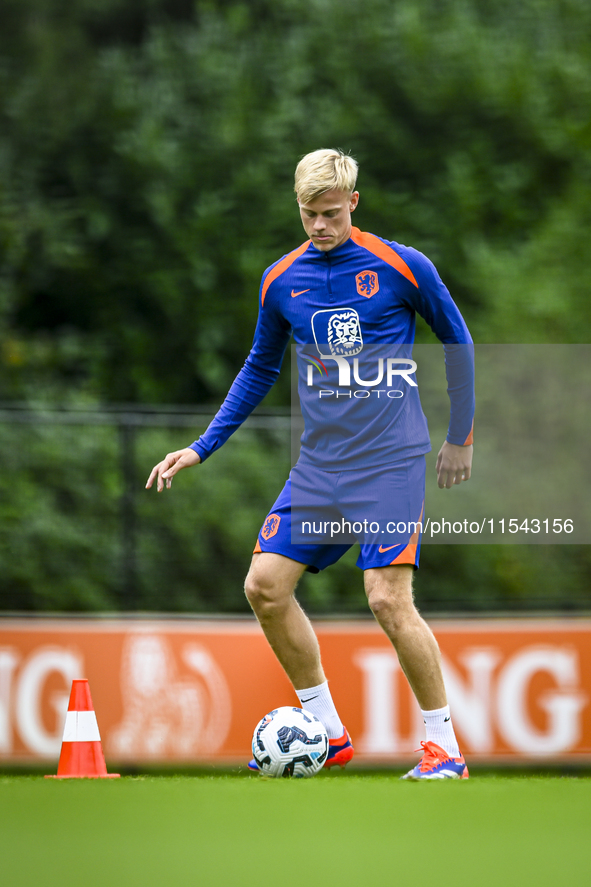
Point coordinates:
[(323, 170)]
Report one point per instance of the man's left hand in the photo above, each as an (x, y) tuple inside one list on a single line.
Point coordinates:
[(454, 464)]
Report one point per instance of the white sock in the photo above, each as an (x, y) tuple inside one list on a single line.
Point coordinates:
[(440, 730), (318, 701)]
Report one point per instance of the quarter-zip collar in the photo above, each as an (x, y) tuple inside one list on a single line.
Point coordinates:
[(334, 256)]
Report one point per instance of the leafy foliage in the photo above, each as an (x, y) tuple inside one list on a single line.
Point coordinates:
[(146, 156)]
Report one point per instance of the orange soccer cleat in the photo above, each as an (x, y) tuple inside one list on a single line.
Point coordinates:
[(340, 751), (437, 764)]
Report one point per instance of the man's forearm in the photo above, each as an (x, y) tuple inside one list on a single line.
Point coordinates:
[(249, 388), (459, 368)]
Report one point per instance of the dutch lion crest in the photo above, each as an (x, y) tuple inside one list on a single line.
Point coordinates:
[(270, 526), (367, 283)]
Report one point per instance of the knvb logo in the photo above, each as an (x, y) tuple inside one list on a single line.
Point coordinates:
[(367, 283), (270, 526)]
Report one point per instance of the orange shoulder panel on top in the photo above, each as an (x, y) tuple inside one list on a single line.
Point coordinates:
[(383, 252), (282, 266)]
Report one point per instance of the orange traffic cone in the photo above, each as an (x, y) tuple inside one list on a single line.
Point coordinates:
[(82, 754)]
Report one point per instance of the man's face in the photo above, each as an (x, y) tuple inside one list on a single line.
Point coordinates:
[(327, 218)]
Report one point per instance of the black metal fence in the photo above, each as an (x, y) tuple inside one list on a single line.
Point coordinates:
[(104, 480), (79, 531)]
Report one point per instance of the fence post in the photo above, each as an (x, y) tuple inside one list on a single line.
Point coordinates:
[(127, 440)]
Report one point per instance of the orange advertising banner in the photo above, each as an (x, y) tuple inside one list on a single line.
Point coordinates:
[(191, 691)]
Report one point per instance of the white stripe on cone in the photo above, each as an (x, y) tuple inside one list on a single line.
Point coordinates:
[(81, 726)]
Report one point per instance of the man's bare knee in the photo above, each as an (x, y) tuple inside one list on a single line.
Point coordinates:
[(260, 593), (380, 602), (389, 611), (389, 595), (270, 582)]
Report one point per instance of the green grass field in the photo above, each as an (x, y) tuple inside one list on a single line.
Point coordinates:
[(342, 829)]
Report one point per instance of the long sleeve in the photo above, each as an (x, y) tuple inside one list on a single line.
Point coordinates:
[(434, 303), (253, 382)]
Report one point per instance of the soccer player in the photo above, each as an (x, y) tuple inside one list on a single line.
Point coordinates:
[(347, 296)]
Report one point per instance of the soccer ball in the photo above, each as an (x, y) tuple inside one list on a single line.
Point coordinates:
[(290, 742)]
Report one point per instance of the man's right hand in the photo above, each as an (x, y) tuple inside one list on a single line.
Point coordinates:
[(166, 470)]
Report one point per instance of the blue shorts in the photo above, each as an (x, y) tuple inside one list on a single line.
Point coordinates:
[(320, 514)]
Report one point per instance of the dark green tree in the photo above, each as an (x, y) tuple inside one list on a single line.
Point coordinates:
[(146, 158)]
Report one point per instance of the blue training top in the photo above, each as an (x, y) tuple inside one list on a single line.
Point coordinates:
[(351, 311)]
